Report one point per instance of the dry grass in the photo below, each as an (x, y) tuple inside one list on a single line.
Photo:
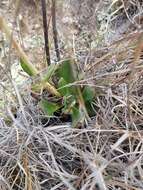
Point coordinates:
[(40, 152), (106, 154)]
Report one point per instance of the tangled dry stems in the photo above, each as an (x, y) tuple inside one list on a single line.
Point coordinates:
[(106, 154)]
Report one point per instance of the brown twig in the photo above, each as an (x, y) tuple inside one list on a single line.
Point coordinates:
[(54, 26), (45, 27)]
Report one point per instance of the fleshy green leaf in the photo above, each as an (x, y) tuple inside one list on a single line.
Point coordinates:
[(66, 71), (28, 68), (49, 107), (50, 72), (88, 94), (63, 89), (66, 90), (77, 116)]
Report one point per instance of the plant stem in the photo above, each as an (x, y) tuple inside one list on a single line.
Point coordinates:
[(55, 33), (27, 64), (45, 28), (4, 27)]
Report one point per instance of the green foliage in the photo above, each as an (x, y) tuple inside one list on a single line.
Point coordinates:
[(68, 103), (66, 71), (50, 72), (73, 95), (60, 82), (29, 69), (49, 108), (88, 94), (76, 101), (63, 88), (77, 116)]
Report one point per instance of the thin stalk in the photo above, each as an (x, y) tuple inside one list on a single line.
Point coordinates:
[(55, 33), (45, 28), (28, 177), (4, 27), (28, 67)]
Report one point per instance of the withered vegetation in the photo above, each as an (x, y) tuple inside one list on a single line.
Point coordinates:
[(71, 95)]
